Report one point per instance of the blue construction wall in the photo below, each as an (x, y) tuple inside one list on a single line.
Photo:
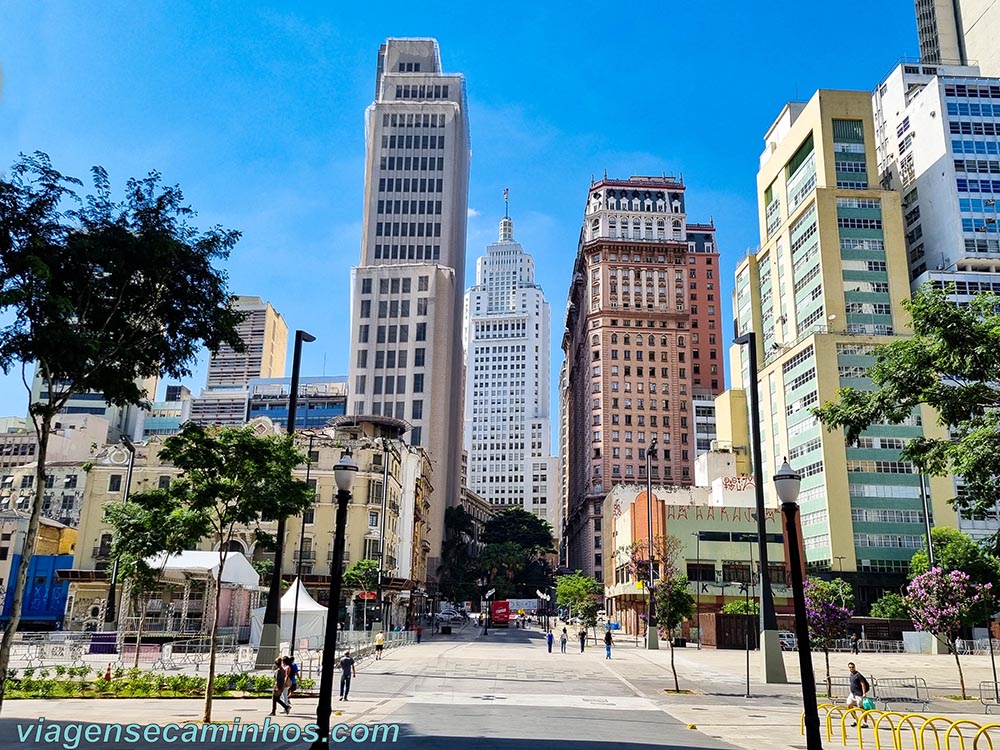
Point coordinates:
[(45, 597)]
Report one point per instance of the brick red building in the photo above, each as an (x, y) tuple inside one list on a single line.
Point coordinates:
[(643, 337)]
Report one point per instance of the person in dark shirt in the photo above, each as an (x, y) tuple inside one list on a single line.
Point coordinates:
[(282, 682), (347, 671), (859, 690)]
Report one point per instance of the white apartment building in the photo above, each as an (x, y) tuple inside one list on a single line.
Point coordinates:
[(507, 421), (938, 144), (406, 307)]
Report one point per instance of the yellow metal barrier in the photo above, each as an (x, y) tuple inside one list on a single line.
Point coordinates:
[(984, 732), (961, 737), (909, 719), (932, 722)]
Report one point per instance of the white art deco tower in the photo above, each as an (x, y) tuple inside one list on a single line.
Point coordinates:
[(406, 306), (507, 424)]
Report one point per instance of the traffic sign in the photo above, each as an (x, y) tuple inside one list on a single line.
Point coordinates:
[(640, 585), (490, 593)]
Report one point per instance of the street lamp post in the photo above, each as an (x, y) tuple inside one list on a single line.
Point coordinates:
[(344, 473), (381, 535), (111, 609), (298, 565), (697, 588), (771, 662), (786, 484), (840, 562), (270, 636), (652, 642)]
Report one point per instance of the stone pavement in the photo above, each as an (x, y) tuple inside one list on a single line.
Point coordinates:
[(505, 692)]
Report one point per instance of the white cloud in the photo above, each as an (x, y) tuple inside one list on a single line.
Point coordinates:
[(473, 212)]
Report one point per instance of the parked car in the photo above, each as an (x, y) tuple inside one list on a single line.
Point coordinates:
[(450, 615), (787, 640)]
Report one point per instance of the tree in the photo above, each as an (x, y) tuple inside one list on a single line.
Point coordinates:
[(457, 572), (890, 606), (363, 574), (674, 605), (500, 563), (146, 530), (943, 603), (521, 527), (952, 364), (954, 550), (101, 295), (575, 589), (233, 479), (741, 607), (829, 611)]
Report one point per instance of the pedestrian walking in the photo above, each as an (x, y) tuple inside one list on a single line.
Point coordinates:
[(563, 640), (379, 645), (855, 643), (859, 692), (548, 639), (608, 642), (282, 681), (347, 671), (420, 632), (293, 673), (582, 635)]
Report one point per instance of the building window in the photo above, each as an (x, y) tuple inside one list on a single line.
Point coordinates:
[(115, 483)]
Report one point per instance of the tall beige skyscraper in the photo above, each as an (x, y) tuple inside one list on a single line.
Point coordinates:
[(960, 32), (265, 335), (406, 307)]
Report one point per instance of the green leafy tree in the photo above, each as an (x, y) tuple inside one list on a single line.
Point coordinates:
[(458, 572), (363, 574), (674, 605), (100, 294), (575, 589), (146, 530), (521, 527), (951, 364), (890, 606), (233, 479), (500, 563), (741, 607)]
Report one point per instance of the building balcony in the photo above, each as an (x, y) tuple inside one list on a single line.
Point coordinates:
[(305, 555)]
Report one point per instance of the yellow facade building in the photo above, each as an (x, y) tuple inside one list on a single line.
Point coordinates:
[(825, 288)]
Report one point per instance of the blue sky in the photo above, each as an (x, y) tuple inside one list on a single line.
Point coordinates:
[(256, 110)]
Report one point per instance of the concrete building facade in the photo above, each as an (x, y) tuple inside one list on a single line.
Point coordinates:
[(406, 307), (507, 419), (320, 400), (960, 32), (825, 288), (643, 337), (265, 336), (949, 180)]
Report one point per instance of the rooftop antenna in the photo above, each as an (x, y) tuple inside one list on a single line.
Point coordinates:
[(506, 203), (324, 364)]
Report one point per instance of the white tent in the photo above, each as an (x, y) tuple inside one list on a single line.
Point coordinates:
[(311, 623), (200, 563)]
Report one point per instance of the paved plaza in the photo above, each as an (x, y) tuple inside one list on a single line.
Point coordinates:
[(504, 691)]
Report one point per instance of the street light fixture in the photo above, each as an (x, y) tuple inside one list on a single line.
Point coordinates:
[(270, 637), (652, 641), (787, 484), (298, 565), (111, 608), (771, 661), (344, 473), (840, 562)]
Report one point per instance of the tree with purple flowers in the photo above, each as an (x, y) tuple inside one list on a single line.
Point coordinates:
[(829, 611), (943, 603)]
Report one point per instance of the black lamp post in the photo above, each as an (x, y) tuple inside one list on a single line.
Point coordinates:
[(652, 642), (344, 473), (111, 609), (270, 637), (698, 586), (786, 484), (772, 664), (298, 565)]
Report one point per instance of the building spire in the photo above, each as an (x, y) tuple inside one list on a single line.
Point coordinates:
[(506, 225)]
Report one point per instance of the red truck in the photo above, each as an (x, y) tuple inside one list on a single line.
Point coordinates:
[(500, 614)]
